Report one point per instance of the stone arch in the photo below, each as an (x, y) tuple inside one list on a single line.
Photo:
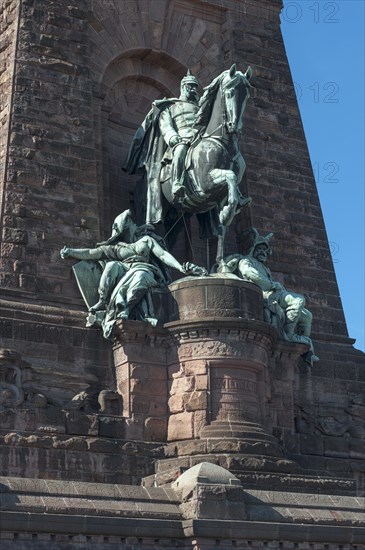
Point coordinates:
[(129, 86), (191, 32), (162, 66)]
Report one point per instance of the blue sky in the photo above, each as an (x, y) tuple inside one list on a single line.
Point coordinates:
[(325, 46)]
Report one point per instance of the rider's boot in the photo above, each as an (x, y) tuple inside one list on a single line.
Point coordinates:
[(177, 173), (309, 357)]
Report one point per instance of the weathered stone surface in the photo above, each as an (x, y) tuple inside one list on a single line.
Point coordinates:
[(76, 458), (214, 297), (156, 429), (176, 403), (195, 400), (212, 500), (180, 426), (85, 75)]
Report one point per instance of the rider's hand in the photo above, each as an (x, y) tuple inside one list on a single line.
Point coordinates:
[(175, 140)]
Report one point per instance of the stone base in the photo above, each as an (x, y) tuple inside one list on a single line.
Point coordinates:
[(77, 458), (217, 387), (242, 430), (257, 464), (198, 513)]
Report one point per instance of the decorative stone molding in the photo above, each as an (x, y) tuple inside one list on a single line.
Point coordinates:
[(213, 328), (138, 332)]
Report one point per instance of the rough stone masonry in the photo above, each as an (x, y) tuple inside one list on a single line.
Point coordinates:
[(82, 422)]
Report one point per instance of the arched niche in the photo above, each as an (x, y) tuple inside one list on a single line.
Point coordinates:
[(129, 86)]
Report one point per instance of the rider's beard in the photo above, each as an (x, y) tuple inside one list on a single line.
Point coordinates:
[(193, 96)]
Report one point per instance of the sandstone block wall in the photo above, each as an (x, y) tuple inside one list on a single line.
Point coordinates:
[(9, 19), (85, 76), (83, 82), (279, 174), (50, 183)]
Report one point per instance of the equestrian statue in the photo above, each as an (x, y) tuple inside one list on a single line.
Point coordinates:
[(190, 150)]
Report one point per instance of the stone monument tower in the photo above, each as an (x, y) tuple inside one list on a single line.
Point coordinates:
[(208, 428)]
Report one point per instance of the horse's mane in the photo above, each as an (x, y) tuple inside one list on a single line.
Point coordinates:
[(206, 102), (210, 92)]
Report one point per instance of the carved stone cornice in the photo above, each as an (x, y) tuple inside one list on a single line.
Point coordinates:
[(235, 329), (24, 310), (139, 332)]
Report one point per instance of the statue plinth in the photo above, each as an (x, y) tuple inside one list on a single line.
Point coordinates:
[(214, 297), (141, 379), (223, 346), (202, 379)]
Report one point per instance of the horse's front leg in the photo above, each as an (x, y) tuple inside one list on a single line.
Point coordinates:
[(229, 178)]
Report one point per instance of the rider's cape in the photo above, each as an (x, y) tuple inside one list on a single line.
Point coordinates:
[(147, 150)]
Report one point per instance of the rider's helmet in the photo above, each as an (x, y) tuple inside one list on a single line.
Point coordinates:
[(189, 79)]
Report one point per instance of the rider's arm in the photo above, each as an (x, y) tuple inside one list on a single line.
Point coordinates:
[(167, 127)]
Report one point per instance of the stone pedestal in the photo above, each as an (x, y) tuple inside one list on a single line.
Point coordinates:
[(141, 379), (205, 373), (216, 385), (217, 376), (214, 297)]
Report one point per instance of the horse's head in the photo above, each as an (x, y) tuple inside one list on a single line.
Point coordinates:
[(235, 93)]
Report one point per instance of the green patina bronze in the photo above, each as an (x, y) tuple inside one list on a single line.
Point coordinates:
[(122, 271), (283, 308), (191, 154)]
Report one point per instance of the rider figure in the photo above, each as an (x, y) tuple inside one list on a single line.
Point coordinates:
[(176, 123)]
